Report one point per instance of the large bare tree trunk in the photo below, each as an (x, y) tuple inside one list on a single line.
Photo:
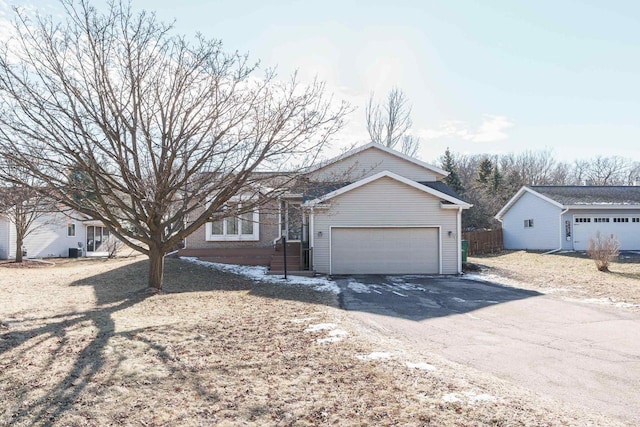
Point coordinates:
[(156, 268), (19, 243)]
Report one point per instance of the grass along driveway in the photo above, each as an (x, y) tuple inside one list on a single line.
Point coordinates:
[(572, 275), (83, 344)]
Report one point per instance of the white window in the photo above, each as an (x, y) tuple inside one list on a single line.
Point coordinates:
[(243, 227), (71, 229), (528, 223)]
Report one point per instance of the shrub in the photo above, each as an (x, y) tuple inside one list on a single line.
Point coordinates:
[(603, 250)]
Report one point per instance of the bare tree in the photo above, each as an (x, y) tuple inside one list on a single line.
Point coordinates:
[(603, 171), (27, 210), (162, 132), (389, 122)]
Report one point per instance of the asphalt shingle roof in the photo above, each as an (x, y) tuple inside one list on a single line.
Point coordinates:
[(590, 195)]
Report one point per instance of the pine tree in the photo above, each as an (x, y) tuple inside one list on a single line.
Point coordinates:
[(453, 179), (485, 169), (495, 180)]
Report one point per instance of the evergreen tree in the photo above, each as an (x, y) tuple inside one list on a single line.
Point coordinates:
[(485, 169), (495, 181), (453, 179)]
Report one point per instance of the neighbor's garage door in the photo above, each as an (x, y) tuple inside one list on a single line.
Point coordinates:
[(384, 250), (625, 227)]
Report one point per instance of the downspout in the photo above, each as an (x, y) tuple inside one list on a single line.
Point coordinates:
[(459, 220), (553, 251)]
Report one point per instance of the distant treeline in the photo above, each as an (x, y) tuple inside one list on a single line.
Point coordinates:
[(489, 181)]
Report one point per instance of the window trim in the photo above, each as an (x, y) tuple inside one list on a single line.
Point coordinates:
[(71, 226), (528, 223), (224, 237)]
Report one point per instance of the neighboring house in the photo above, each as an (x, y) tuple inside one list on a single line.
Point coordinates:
[(566, 217), (53, 235), (372, 210)]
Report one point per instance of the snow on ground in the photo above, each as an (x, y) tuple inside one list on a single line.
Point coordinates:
[(259, 274), (456, 299), (321, 327), (334, 336), (471, 397), (491, 278), (421, 366), (376, 355), (358, 287), (303, 320), (399, 294)]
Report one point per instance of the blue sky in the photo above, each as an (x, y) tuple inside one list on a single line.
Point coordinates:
[(482, 76)]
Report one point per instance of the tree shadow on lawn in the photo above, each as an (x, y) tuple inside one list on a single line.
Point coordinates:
[(115, 291)]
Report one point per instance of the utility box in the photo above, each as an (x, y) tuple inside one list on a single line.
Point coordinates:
[(74, 252), (465, 250)]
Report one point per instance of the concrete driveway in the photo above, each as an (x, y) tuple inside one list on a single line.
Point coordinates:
[(584, 354)]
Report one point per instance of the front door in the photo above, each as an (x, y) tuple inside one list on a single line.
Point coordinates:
[(293, 221)]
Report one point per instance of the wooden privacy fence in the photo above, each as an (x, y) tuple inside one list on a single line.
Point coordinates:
[(483, 242)]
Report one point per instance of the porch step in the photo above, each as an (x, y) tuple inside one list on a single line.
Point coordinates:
[(303, 273), (277, 263)]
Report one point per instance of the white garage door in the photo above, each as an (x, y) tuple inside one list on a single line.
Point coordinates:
[(625, 227), (390, 250)]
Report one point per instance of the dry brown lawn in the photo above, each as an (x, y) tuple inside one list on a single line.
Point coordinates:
[(572, 275), (83, 344)]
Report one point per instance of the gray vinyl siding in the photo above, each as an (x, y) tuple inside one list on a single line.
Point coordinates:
[(385, 202), (370, 162), (4, 238), (545, 233), (627, 233)]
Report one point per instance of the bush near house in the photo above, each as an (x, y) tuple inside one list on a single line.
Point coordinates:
[(603, 250)]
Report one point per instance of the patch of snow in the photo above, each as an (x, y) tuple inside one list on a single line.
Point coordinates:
[(376, 355), (456, 299), (451, 398), (490, 278), (421, 365), (471, 397), (358, 287), (377, 292), (259, 274), (399, 294), (302, 320), (334, 336), (320, 327), (474, 398)]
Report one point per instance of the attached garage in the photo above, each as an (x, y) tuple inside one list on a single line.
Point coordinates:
[(385, 250)]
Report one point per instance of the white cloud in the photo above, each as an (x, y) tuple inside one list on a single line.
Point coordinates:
[(492, 129)]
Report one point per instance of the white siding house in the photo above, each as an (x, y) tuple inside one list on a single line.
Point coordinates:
[(566, 217), (53, 235)]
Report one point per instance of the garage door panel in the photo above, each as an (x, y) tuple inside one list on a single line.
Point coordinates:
[(379, 250), (625, 232)]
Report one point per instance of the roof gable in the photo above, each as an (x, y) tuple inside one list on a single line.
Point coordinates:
[(372, 145), (424, 188)]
